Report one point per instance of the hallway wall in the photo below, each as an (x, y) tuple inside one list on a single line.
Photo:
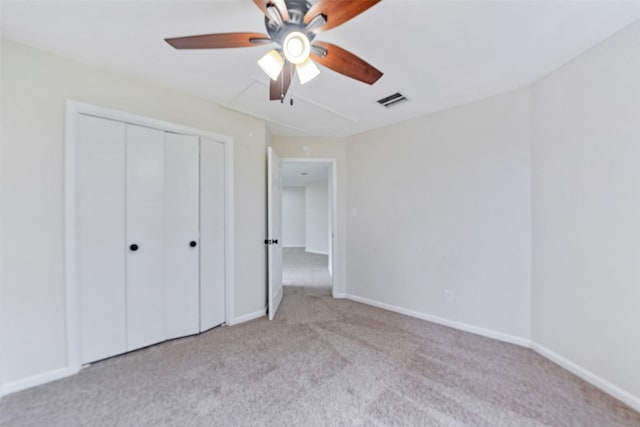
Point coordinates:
[(317, 217), (293, 217)]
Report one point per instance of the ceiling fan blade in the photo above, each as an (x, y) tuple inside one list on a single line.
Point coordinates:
[(278, 88), (279, 4), (345, 62), (337, 12), (220, 40)]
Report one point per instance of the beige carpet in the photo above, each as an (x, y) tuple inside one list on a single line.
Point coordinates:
[(300, 268), (322, 362)]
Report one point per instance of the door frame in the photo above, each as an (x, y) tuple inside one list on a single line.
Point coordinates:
[(333, 210), (73, 110)]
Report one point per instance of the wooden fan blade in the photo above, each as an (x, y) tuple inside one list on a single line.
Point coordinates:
[(278, 88), (337, 12), (279, 4), (346, 63), (218, 41)]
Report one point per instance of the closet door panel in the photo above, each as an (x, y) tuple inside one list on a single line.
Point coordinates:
[(212, 234), (182, 242), (100, 163), (145, 237)]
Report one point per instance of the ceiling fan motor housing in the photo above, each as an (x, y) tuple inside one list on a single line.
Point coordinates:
[(297, 10)]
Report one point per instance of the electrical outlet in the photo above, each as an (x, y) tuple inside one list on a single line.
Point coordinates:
[(447, 295)]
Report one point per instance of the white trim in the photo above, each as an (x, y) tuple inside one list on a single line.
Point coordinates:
[(500, 336), (333, 165), (588, 376), (39, 379), (316, 252), (229, 230), (70, 239), (73, 109), (279, 296), (334, 227), (251, 316)]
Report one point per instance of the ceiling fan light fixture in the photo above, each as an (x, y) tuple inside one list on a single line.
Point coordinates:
[(296, 47), (272, 64), (307, 71)]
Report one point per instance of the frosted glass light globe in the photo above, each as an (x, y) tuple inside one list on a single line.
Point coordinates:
[(296, 47)]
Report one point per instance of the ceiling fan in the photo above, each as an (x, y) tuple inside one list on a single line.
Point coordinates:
[(293, 25)]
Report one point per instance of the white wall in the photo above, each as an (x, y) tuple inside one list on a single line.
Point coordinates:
[(586, 212), (317, 217), (325, 148), (443, 203), (35, 86), (293, 217)]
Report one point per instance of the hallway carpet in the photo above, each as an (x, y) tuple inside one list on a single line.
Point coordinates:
[(322, 362), (300, 268)]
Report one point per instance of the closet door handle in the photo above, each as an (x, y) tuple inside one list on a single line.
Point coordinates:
[(193, 244), (133, 247)]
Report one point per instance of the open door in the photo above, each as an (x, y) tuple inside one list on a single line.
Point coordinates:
[(274, 230)]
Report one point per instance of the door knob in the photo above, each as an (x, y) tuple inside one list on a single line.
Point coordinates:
[(133, 247), (275, 242), (193, 244)]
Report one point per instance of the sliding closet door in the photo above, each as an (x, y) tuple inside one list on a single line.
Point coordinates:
[(182, 242), (100, 216), (212, 234), (145, 237)]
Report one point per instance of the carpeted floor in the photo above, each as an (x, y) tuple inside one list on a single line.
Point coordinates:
[(322, 362), (300, 268)]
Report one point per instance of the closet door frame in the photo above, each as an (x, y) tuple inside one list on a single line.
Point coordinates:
[(75, 109)]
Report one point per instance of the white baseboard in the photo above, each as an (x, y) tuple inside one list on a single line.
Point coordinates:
[(602, 384), (248, 317), (588, 376), (445, 322), (57, 374), (310, 251), (36, 380)]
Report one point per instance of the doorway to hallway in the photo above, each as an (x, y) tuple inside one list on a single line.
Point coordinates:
[(307, 223)]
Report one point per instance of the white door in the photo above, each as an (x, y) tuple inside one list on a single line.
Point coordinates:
[(212, 234), (100, 210), (274, 230), (181, 240), (145, 237)]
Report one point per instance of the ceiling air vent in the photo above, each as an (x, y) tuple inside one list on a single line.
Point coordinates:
[(390, 100)]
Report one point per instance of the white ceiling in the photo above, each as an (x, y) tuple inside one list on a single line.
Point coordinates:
[(297, 174), (438, 53)]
